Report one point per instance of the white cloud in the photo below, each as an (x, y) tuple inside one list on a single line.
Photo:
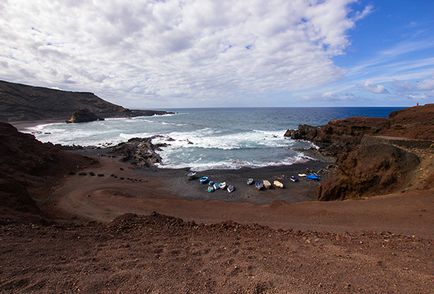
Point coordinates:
[(161, 50), (374, 88), (427, 84)]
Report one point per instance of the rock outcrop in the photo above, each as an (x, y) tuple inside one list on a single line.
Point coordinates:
[(27, 103), (369, 170), (339, 136), (374, 155), (28, 168), (83, 115), (138, 151)]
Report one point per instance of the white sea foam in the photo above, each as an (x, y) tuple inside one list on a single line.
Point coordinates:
[(232, 164), (200, 148)]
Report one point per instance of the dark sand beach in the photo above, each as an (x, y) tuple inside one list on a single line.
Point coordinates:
[(87, 221)]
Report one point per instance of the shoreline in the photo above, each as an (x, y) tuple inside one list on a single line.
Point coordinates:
[(94, 198)]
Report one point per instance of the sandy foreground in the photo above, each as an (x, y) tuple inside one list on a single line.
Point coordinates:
[(277, 241)]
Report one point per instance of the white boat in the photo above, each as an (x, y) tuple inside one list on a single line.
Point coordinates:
[(222, 185), (231, 188), (278, 184), (301, 175), (267, 184)]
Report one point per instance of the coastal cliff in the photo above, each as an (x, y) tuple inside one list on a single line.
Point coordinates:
[(28, 168), (27, 103), (375, 155)]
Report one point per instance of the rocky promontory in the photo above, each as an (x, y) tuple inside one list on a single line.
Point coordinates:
[(20, 102), (140, 152), (375, 155)]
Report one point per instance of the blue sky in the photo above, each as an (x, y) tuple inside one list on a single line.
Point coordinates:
[(204, 53)]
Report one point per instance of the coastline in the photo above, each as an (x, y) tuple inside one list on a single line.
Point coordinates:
[(142, 191), (107, 214)]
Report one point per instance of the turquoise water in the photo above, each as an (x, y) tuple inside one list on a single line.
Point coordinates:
[(210, 138)]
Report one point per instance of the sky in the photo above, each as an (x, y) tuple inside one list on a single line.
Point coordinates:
[(201, 53)]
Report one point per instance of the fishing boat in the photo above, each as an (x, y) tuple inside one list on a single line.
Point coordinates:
[(210, 189), (312, 177), (293, 179), (222, 185), (204, 180), (267, 184), (216, 186), (250, 181), (278, 184), (259, 185), (191, 175), (231, 188)]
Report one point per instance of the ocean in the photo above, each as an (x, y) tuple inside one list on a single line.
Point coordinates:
[(213, 138)]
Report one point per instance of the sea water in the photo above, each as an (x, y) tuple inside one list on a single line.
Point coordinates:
[(214, 138)]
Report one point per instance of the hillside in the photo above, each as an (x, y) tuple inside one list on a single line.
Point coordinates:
[(20, 102)]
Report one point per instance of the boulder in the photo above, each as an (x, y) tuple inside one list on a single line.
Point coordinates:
[(83, 115)]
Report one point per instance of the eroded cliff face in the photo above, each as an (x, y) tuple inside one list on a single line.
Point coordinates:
[(28, 168), (369, 170), (374, 155)]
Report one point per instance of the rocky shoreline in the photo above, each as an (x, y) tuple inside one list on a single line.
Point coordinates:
[(66, 220), (374, 155)]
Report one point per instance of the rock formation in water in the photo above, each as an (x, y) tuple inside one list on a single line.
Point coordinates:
[(83, 115), (138, 151)]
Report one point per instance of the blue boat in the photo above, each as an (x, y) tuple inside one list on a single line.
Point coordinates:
[(216, 186), (211, 183), (204, 180), (312, 177), (259, 185)]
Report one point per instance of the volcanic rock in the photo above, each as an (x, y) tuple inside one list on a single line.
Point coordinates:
[(140, 152), (83, 115), (25, 103), (369, 170)]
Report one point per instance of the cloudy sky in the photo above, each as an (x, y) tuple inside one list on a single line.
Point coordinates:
[(187, 53)]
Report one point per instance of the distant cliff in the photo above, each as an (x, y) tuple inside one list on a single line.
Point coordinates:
[(24, 103)]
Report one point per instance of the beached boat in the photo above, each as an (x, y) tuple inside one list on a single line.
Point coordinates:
[(210, 189), (210, 183), (250, 181), (301, 175), (222, 185), (204, 180), (231, 188), (259, 185), (191, 175), (278, 184), (216, 186), (267, 184), (312, 177), (293, 179)]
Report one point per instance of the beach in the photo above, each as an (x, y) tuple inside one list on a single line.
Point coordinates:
[(110, 219)]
